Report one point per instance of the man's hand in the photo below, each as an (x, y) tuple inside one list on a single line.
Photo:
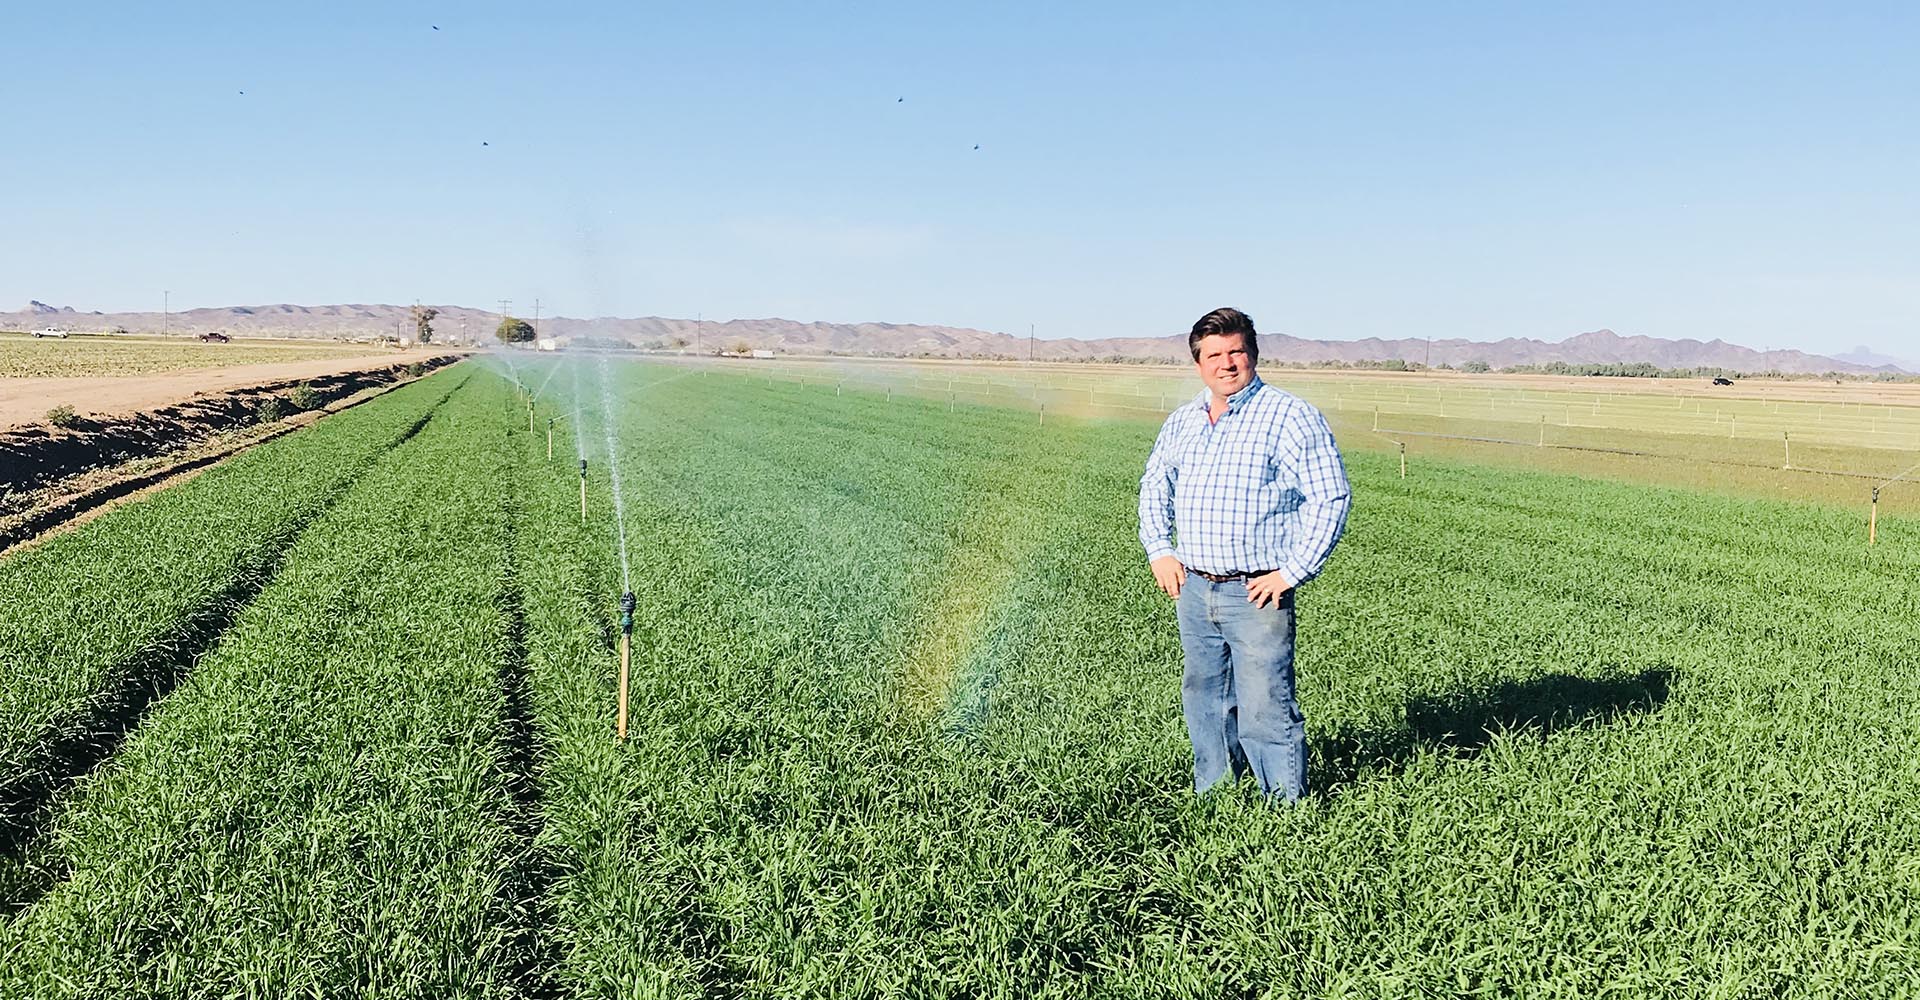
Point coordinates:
[(1169, 574), (1269, 588)]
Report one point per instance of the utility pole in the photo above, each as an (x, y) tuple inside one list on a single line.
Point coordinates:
[(506, 308), (536, 318), (166, 313), (1429, 350), (699, 323), (1029, 343)]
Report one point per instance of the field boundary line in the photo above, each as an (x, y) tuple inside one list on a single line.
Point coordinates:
[(1384, 431)]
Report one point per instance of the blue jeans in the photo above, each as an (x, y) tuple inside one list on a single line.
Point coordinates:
[(1238, 690)]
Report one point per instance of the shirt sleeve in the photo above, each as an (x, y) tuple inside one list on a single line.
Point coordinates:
[(1156, 496), (1325, 494)]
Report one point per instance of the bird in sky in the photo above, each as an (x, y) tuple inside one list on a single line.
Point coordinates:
[(898, 100), (243, 93), (976, 145), (483, 143)]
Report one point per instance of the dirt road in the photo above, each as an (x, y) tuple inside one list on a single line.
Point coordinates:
[(27, 400)]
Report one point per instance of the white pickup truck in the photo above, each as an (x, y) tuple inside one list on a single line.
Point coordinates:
[(47, 331)]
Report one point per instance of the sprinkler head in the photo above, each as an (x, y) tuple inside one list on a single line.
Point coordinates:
[(626, 612), (583, 468)]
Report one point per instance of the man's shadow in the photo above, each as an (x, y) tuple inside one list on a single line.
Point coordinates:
[(1464, 723)]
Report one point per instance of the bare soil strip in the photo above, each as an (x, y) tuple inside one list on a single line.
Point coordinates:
[(53, 481), (26, 400)]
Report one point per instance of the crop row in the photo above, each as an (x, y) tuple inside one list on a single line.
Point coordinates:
[(100, 620), (327, 804)]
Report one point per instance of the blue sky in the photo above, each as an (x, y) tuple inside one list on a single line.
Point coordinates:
[(1744, 171)]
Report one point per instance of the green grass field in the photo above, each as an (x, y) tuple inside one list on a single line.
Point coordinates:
[(1801, 440), (905, 721), (25, 356)]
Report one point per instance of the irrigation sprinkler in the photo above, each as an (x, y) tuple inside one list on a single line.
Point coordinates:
[(1873, 516), (549, 439), (583, 491), (1403, 460), (626, 660), (1543, 431), (1786, 443)]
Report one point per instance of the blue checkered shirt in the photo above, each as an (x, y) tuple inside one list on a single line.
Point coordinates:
[(1263, 489)]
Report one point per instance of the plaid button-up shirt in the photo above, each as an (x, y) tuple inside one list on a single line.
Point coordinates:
[(1262, 489)]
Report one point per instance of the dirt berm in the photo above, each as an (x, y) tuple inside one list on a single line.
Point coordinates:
[(34, 456)]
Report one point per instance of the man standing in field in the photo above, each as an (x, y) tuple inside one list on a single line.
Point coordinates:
[(1250, 480)]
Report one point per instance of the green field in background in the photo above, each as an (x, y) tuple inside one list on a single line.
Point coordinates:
[(25, 356)]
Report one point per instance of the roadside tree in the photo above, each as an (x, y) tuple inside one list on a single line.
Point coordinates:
[(514, 331), (423, 323)]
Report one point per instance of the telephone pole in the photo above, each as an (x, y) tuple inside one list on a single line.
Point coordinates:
[(1029, 343), (536, 318), (166, 313)]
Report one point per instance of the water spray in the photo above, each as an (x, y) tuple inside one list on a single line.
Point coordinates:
[(626, 660), (613, 476)]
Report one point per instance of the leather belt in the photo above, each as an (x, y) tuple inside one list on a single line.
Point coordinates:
[(1227, 577)]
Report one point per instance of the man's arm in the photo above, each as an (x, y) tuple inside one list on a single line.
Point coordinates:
[(1324, 490), (1156, 513)]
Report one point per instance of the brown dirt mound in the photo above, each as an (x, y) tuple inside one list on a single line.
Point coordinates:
[(34, 457)]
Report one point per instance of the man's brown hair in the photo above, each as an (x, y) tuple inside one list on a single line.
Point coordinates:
[(1223, 321)]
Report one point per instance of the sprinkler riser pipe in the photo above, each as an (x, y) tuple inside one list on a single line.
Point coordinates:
[(620, 719)]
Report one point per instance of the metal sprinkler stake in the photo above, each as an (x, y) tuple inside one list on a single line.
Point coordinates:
[(1873, 516), (583, 491), (549, 439), (626, 658)]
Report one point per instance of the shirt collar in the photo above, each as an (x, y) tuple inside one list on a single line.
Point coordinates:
[(1235, 401)]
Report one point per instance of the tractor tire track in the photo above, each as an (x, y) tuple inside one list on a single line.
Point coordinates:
[(526, 900)]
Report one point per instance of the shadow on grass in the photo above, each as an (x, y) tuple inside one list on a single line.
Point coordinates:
[(1464, 723)]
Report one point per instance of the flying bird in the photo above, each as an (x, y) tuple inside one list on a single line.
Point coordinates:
[(976, 145), (436, 27), (898, 100), (483, 144), (243, 93)]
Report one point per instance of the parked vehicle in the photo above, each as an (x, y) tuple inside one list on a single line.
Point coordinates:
[(50, 332), (215, 338)]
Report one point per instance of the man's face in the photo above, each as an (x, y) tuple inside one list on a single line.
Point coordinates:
[(1225, 364)]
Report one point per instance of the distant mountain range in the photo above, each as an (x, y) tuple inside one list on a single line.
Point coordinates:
[(913, 340)]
